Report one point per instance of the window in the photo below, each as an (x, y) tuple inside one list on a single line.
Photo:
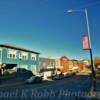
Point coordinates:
[(12, 54), (33, 56), (24, 55), (56, 63)]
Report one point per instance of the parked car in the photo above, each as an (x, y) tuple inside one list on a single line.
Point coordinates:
[(58, 76), (9, 72), (67, 75), (34, 79), (73, 73), (5, 72), (24, 73)]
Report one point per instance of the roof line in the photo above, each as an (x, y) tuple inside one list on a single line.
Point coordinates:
[(17, 48)]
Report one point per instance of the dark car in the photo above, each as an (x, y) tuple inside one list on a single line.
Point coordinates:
[(97, 72), (67, 75), (34, 79), (73, 73), (24, 73), (58, 77)]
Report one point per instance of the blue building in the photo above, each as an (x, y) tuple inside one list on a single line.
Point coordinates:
[(12, 57)]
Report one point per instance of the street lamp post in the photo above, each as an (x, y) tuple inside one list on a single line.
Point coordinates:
[(93, 89), (91, 55)]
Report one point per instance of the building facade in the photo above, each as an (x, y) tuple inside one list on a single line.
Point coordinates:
[(15, 57), (62, 64), (47, 66), (97, 62), (84, 66)]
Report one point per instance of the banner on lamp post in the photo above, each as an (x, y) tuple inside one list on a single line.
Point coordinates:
[(85, 40)]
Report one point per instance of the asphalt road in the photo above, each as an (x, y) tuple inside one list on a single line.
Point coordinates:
[(74, 88)]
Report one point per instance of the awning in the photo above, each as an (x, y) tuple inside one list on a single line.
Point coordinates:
[(9, 66)]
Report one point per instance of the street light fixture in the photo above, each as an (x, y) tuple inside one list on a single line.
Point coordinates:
[(87, 21), (90, 49), (69, 11), (74, 10)]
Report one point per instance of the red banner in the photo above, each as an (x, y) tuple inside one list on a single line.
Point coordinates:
[(85, 40)]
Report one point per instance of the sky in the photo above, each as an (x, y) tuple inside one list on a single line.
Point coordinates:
[(45, 26)]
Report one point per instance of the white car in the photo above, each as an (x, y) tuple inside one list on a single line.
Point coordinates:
[(34, 79)]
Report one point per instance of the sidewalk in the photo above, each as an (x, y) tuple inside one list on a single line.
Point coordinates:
[(98, 85), (98, 89)]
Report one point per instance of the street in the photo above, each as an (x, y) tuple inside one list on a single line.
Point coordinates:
[(74, 88)]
